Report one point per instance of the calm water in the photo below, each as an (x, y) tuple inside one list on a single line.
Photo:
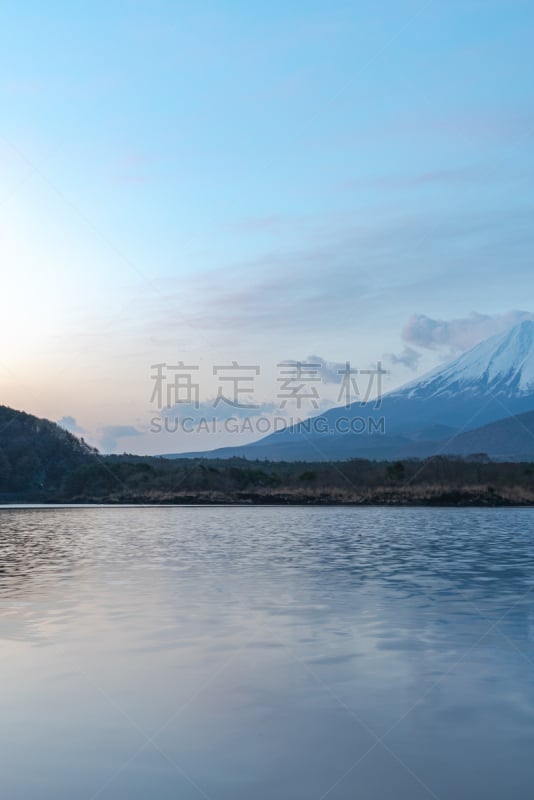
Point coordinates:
[(266, 653)]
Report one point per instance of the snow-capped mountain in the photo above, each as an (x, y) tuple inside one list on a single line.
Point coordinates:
[(492, 381), (501, 365)]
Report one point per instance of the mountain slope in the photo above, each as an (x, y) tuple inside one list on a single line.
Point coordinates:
[(511, 438), (35, 454)]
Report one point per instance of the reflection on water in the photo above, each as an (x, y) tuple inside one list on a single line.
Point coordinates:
[(235, 653)]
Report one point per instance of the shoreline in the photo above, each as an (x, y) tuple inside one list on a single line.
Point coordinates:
[(453, 498)]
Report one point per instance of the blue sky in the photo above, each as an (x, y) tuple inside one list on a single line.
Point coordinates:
[(254, 182)]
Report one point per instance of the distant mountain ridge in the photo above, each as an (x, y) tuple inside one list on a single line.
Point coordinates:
[(482, 402), (492, 381), (41, 463), (508, 439)]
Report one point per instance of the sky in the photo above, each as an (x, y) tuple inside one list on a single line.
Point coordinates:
[(323, 182)]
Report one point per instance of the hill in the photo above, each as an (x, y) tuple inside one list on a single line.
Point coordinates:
[(511, 438), (36, 455)]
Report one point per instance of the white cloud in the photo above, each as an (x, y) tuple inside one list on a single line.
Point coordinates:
[(319, 367), (219, 411), (457, 335), (408, 357), (70, 424), (110, 435)]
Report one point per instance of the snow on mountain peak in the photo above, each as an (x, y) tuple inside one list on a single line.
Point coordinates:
[(503, 364)]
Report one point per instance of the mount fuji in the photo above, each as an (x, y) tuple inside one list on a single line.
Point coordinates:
[(492, 381), (502, 366)]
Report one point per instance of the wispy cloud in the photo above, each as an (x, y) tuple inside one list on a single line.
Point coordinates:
[(292, 289), (408, 357), (330, 371), (220, 411), (478, 173), (459, 334), (476, 125)]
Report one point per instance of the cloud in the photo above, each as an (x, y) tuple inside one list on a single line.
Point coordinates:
[(340, 276), (287, 292), (328, 370), (408, 357), (111, 433), (220, 412), (453, 175), (483, 126), (70, 424), (460, 334)]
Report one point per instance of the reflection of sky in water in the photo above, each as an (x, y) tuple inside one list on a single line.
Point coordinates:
[(259, 653)]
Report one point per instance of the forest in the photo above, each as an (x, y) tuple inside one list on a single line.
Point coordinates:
[(41, 462)]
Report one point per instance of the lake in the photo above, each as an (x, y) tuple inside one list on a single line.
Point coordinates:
[(261, 653)]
